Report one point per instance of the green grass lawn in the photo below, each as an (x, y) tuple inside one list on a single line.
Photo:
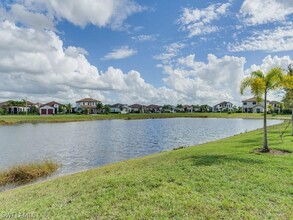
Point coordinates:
[(224, 179), (14, 119)]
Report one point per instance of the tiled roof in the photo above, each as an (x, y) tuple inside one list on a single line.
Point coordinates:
[(135, 106), (153, 106), (50, 104), (87, 100), (253, 99)]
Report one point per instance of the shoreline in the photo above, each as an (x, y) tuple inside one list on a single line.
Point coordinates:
[(23, 119)]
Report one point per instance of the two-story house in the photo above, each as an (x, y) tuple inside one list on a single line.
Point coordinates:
[(276, 106), (87, 105), (153, 108), (253, 106), (137, 108), (50, 108), (223, 106)]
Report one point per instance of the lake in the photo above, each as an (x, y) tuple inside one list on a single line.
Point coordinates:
[(83, 145)]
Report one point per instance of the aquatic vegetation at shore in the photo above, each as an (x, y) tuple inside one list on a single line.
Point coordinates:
[(25, 173)]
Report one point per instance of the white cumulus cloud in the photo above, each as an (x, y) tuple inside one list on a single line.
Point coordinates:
[(260, 12), (43, 13), (170, 51), (120, 53), (211, 82), (271, 40), (199, 21)]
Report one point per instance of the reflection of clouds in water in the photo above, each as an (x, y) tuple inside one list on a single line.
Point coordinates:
[(83, 145)]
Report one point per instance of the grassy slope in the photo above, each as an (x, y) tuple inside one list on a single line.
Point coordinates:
[(217, 180), (14, 119)]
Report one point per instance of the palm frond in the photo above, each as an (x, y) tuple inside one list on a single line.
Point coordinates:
[(257, 74), (288, 82), (274, 78), (258, 88), (245, 83)]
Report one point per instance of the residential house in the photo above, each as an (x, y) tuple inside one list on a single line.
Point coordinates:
[(276, 106), (188, 108), (87, 105), (253, 106), (120, 108), (153, 109), (50, 108), (17, 107), (137, 108), (46, 110), (223, 106)]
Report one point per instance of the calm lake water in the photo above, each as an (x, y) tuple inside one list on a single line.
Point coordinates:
[(83, 145)]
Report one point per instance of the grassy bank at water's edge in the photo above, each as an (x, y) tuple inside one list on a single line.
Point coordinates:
[(17, 119), (223, 179)]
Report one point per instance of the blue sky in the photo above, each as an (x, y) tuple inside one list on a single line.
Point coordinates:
[(189, 52)]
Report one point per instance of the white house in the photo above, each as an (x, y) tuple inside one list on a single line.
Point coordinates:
[(88, 104), (223, 106), (253, 106), (276, 106), (46, 110), (50, 108)]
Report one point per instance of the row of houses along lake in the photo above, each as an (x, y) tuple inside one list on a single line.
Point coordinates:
[(94, 106)]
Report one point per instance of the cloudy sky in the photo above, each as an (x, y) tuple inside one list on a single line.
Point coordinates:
[(143, 51)]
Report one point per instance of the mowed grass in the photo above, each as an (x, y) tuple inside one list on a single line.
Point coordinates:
[(224, 179), (25, 173), (16, 119)]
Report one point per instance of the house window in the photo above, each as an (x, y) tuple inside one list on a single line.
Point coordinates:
[(254, 103), (244, 103)]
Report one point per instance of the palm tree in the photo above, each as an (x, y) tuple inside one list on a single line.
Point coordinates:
[(68, 108), (260, 84), (100, 106), (288, 98)]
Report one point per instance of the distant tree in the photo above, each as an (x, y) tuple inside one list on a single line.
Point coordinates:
[(260, 84), (196, 108), (79, 110), (205, 108), (68, 108), (100, 106), (62, 109), (270, 108), (2, 111), (166, 108), (34, 110), (107, 109)]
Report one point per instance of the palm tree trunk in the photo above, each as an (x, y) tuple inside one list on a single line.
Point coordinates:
[(292, 121), (265, 141)]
